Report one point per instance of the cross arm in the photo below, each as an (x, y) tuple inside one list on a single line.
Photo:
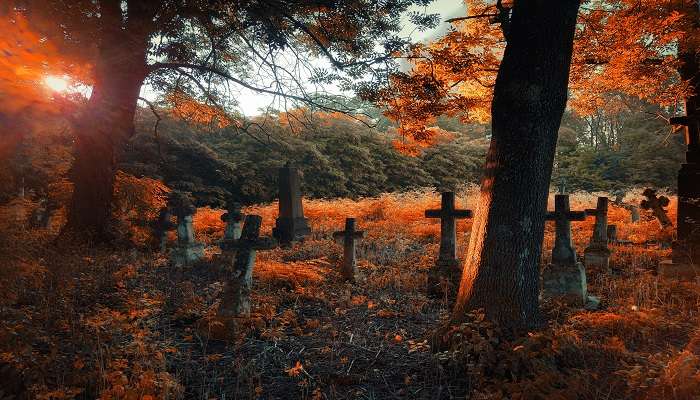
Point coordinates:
[(577, 215), (463, 214), (433, 213)]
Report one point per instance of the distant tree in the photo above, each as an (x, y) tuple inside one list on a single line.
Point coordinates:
[(193, 50)]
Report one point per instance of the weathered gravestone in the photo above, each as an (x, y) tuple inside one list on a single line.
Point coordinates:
[(40, 217), (685, 256), (656, 205), (633, 209), (447, 268), (349, 236), (612, 233), (233, 218), (291, 225), (565, 278), (187, 249), (161, 226), (235, 301), (597, 254)]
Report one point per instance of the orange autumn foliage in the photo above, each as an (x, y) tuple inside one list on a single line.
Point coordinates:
[(622, 48)]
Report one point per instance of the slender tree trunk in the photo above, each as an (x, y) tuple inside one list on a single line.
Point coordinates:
[(501, 272), (104, 128)]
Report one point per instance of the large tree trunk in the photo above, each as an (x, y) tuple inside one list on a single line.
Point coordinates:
[(501, 272), (102, 131)]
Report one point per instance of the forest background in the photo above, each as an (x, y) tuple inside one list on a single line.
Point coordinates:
[(342, 156)]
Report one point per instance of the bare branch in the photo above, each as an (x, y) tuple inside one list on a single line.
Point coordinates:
[(156, 136)]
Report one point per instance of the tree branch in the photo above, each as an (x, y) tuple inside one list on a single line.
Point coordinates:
[(155, 126)]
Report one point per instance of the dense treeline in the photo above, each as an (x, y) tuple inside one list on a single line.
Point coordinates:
[(616, 150), (338, 156), (342, 157)]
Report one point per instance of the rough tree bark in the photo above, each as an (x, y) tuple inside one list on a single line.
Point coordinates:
[(501, 272), (106, 124)]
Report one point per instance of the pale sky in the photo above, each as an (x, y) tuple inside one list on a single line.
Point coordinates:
[(250, 102)]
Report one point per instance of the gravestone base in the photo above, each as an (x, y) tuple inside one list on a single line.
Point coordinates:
[(288, 230), (681, 265), (566, 283), (185, 255), (443, 279), (597, 258)]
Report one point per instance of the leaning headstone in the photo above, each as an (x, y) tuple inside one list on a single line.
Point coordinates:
[(656, 204), (564, 278), (235, 301), (187, 250), (291, 225), (447, 268), (349, 236), (597, 254), (161, 227), (684, 262)]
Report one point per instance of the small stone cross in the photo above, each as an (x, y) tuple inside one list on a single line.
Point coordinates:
[(563, 252), (349, 236), (445, 277), (235, 300), (448, 215), (656, 205), (565, 277)]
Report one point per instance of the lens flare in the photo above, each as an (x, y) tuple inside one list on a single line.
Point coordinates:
[(56, 83)]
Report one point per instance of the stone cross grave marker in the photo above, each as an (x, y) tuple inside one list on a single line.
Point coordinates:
[(162, 226), (447, 263), (349, 236), (565, 277), (188, 250), (235, 301), (291, 225), (684, 262), (656, 205), (597, 254)]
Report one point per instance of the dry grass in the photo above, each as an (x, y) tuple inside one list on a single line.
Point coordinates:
[(122, 324)]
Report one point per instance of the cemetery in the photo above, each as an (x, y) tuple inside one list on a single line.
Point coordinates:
[(486, 200)]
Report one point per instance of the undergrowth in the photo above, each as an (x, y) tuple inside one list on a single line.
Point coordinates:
[(121, 323)]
